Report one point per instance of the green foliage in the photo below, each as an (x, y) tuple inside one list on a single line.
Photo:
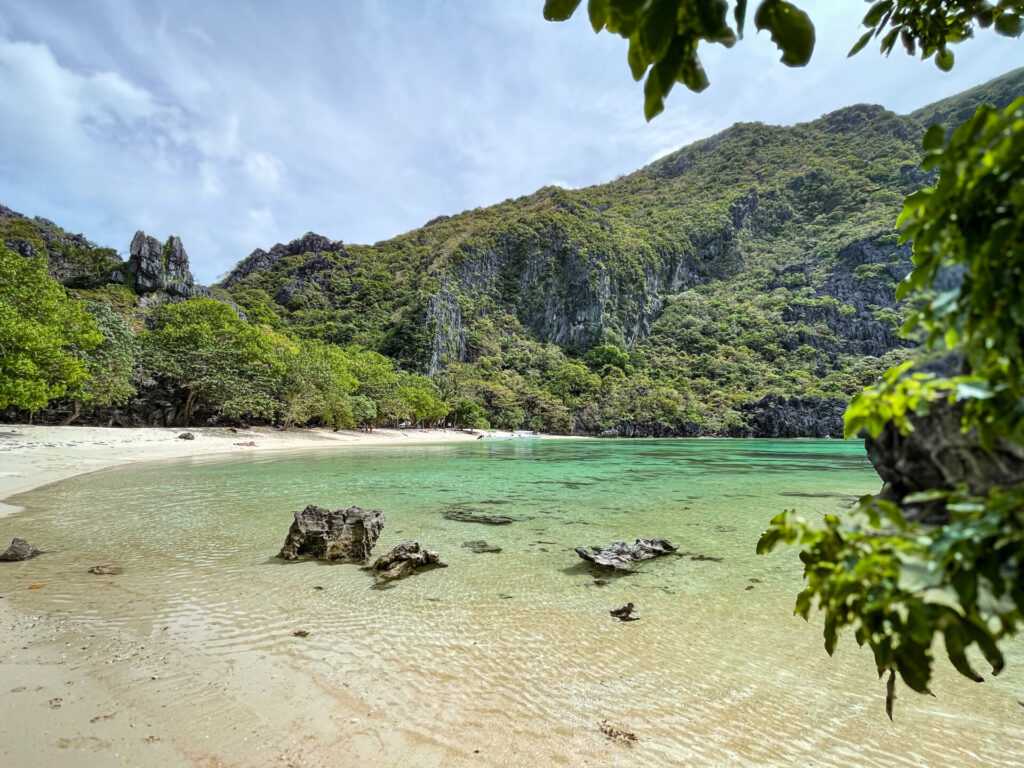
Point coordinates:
[(215, 357), (44, 335), (930, 27), (664, 36), (899, 587), (316, 385), (111, 364)]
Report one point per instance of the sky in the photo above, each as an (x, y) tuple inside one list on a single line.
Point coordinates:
[(236, 125)]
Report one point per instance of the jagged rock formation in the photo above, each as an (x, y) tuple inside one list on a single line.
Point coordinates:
[(74, 261), (19, 550), (621, 556), (157, 268), (405, 560), (262, 261), (343, 535)]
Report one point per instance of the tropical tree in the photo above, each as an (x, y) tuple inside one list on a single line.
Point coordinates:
[(44, 335), (111, 364), (202, 347), (316, 385), (864, 573)]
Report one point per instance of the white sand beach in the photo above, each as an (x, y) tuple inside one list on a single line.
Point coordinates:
[(33, 456)]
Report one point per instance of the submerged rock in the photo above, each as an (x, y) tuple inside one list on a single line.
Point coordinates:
[(404, 560), (19, 550), (621, 556), (465, 516), (347, 535), (480, 547), (106, 570), (625, 613)]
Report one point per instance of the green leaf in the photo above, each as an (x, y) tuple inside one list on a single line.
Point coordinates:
[(791, 30), (876, 12), (1009, 24), (859, 45), (740, 14), (598, 12), (933, 138), (658, 28), (559, 10)]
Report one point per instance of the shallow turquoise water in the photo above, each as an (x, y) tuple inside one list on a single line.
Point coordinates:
[(520, 642)]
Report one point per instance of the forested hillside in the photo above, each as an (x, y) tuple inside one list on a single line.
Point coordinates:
[(741, 285)]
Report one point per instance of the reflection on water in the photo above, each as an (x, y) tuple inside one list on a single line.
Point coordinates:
[(717, 670)]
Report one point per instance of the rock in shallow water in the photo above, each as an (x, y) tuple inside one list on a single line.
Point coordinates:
[(465, 516), (480, 547), (621, 556), (345, 535), (19, 550), (404, 560)]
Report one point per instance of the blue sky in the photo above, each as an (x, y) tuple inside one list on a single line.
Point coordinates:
[(239, 124)]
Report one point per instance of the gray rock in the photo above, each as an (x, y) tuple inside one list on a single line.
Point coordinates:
[(937, 454), (465, 516), (621, 556), (480, 547), (186, 436), (345, 535), (404, 560), (19, 550)]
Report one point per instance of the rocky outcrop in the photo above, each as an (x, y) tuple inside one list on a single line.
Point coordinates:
[(260, 261), (405, 560), (341, 535), (938, 454), (621, 556), (444, 319), (19, 550), (162, 269), (778, 416)]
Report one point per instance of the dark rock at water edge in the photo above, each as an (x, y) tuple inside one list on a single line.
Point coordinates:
[(938, 454), (186, 436), (465, 516), (480, 547), (621, 556), (19, 550), (404, 560), (345, 535)]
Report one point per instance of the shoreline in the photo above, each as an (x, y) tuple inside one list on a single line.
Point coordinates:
[(33, 456)]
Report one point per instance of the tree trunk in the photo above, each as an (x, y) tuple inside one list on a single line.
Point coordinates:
[(74, 414), (186, 414)]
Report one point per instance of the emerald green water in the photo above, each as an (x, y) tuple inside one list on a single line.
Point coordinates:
[(518, 645)]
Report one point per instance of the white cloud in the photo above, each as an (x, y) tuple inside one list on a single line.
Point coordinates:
[(235, 124)]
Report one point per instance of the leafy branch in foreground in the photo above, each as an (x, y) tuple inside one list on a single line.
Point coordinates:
[(900, 585), (664, 35)]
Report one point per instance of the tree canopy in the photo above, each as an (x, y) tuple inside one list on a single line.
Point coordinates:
[(44, 335)]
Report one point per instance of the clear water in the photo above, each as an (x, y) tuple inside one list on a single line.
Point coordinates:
[(518, 647)]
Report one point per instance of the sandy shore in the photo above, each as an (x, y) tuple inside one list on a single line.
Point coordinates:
[(77, 694), (34, 456)]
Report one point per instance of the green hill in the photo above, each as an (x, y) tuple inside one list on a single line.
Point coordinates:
[(740, 285)]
